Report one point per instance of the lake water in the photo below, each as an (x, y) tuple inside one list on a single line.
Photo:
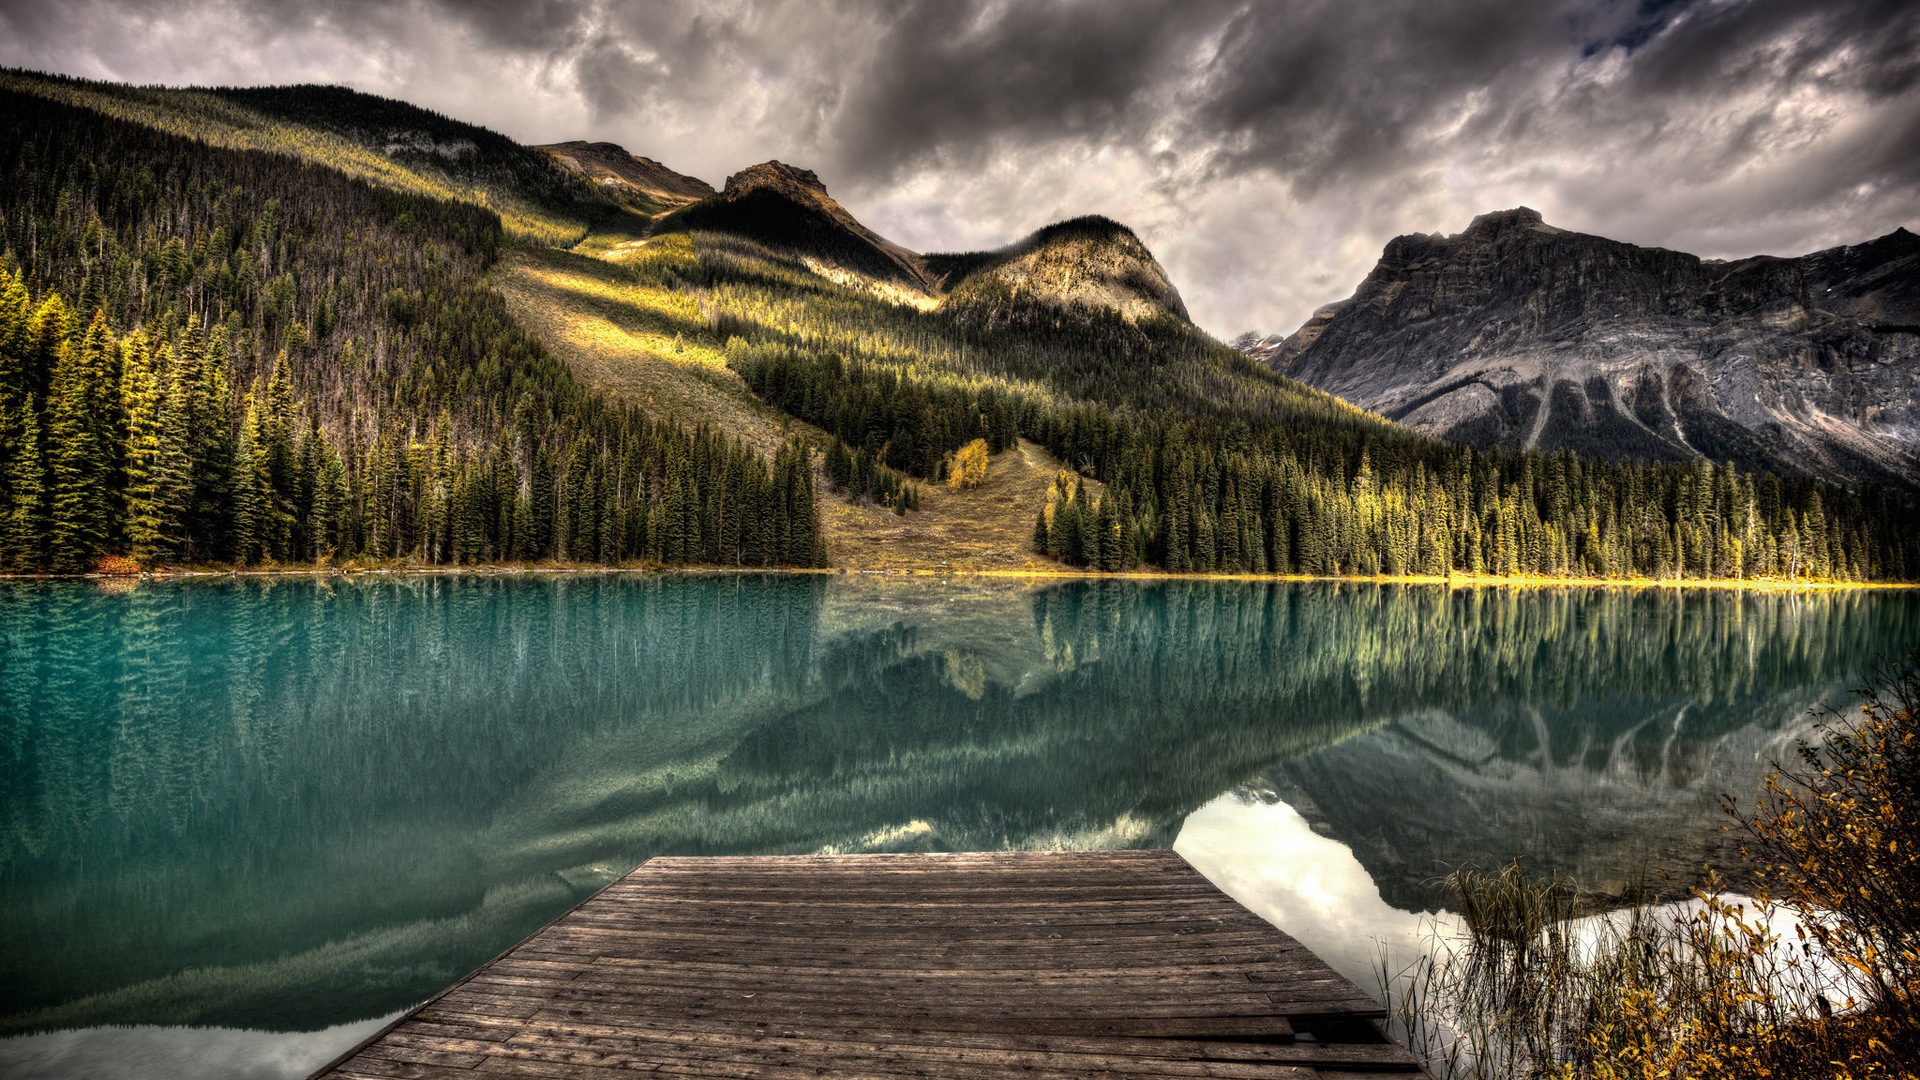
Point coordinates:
[(243, 822)]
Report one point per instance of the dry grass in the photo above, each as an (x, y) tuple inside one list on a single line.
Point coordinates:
[(988, 527), (649, 346)]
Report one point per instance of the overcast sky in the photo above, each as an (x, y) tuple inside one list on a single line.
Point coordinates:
[(1265, 151)]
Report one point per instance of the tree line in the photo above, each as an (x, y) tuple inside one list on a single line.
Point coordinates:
[(219, 356), (1213, 464)]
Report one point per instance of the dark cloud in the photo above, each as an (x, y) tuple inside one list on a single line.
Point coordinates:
[(514, 24), (1265, 150), (950, 80), (1324, 91)]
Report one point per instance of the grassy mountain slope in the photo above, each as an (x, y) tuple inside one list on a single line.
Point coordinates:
[(385, 142), (635, 328), (650, 346)]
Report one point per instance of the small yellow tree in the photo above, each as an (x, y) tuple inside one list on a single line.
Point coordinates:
[(968, 466)]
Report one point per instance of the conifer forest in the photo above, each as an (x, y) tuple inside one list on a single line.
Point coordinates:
[(218, 354)]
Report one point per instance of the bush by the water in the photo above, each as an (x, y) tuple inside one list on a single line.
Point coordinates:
[(1816, 976)]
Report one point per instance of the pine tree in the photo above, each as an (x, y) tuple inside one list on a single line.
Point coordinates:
[(278, 423), (16, 316), (23, 530), (253, 525), (200, 384), (81, 458), (51, 328), (154, 463), (331, 506), (1103, 551), (543, 506)]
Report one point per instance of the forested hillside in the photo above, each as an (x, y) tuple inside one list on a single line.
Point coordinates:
[(1214, 464), (389, 143), (214, 352), (210, 355)]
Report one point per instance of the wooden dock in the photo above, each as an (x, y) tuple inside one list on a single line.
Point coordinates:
[(1027, 964)]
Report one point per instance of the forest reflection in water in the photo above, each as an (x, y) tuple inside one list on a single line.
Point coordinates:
[(302, 803)]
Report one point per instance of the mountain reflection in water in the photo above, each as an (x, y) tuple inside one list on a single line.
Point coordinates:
[(289, 805)]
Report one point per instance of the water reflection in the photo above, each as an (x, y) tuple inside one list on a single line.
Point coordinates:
[(171, 1053), (1266, 856), (291, 805)]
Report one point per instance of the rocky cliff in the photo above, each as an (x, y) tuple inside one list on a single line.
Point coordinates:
[(1517, 334), (1088, 262), (788, 209), (628, 177)]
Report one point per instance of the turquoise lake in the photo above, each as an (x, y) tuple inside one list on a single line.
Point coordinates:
[(244, 821)]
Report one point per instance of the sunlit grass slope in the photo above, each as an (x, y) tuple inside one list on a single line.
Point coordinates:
[(668, 322), (637, 325), (648, 344)]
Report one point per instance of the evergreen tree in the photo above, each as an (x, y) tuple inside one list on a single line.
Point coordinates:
[(81, 457), (23, 530), (253, 530), (157, 483)]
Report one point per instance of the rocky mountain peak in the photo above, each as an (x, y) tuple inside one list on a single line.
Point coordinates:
[(599, 148), (1091, 262), (1504, 221), (1876, 283), (779, 177), (787, 209), (643, 182), (1516, 334)]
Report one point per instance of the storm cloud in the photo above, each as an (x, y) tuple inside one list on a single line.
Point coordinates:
[(1265, 151)]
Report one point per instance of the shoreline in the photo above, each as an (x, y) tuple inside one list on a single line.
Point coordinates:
[(1456, 581)]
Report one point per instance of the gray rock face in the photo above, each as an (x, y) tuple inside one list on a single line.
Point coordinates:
[(1521, 335)]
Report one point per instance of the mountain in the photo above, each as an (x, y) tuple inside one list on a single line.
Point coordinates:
[(1092, 264), (297, 325), (1088, 262), (640, 182), (1521, 335), (235, 334), (1609, 816), (788, 209), (388, 143)]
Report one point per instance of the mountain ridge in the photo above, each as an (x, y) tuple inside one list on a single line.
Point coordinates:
[(642, 182), (788, 208), (1518, 334), (1089, 261)]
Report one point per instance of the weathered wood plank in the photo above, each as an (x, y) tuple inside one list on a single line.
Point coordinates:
[(709, 1033), (1088, 1055), (988, 965)]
